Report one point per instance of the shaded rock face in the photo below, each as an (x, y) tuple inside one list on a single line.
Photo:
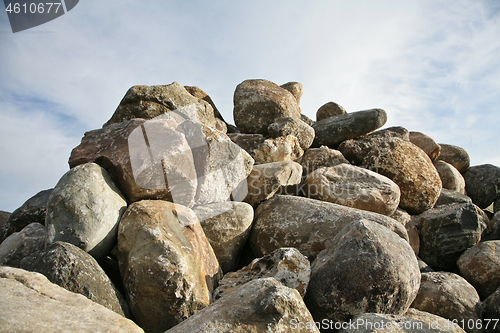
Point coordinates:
[(451, 178), (283, 148), (427, 144), (446, 232), (480, 265), (148, 102), (4, 216), (258, 103), (227, 226), (450, 296), (75, 270), (295, 88), (291, 126), (411, 169), (332, 131), (168, 267), (287, 265), (33, 210), (200, 93), (248, 142), (355, 150), (492, 311), (306, 119), (328, 110), (308, 225), (355, 187), (455, 156), (449, 197), (262, 305), (482, 183), (84, 209), (21, 244), (36, 305), (315, 158), (368, 268)]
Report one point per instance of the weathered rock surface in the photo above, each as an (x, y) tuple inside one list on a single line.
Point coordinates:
[(426, 143), (355, 187), (328, 110), (424, 268), (355, 150), (260, 306), (148, 102), (75, 270), (482, 183), (449, 197), (411, 169), (227, 226), (456, 156), (4, 216), (200, 93), (286, 265), (31, 303), (283, 148), (21, 244), (446, 232), (411, 227), (258, 103), (266, 179), (291, 126), (315, 158), (334, 130), (295, 88), (84, 209), (248, 142), (168, 267), (492, 231), (491, 307), (450, 296), (451, 178), (480, 265), (308, 225), (368, 268), (31, 211), (443, 325), (306, 119)]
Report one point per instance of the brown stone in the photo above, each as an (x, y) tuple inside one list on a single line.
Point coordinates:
[(248, 142), (200, 93), (283, 148), (455, 156), (451, 178), (426, 143), (291, 126), (315, 158), (328, 110), (295, 88)]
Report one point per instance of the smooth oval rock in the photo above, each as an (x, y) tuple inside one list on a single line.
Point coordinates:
[(451, 178), (328, 110), (291, 126), (456, 156), (295, 88), (426, 143), (482, 183), (21, 244)]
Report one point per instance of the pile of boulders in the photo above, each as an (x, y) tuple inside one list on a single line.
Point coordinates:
[(171, 219)]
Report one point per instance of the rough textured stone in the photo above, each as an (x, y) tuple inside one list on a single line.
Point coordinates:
[(355, 187), (328, 110), (258, 103), (450, 296), (426, 143), (315, 158), (307, 120), (75, 270), (148, 102), (287, 265), (411, 227), (451, 178), (455, 156), (227, 226), (334, 130), (21, 244), (446, 232), (295, 88), (260, 306), (248, 142), (4, 216), (33, 210), (291, 126), (411, 169), (84, 209), (482, 183), (31, 303), (368, 268), (492, 311), (168, 267), (448, 197), (283, 148), (200, 93), (492, 231), (308, 225), (266, 179), (480, 265), (355, 150), (443, 325)]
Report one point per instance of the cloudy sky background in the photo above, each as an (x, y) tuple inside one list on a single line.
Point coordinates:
[(434, 66)]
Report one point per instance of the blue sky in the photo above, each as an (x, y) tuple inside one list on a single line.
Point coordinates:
[(434, 66)]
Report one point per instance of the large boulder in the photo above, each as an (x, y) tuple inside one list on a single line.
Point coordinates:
[(482, 183), (368, 268), (332, 131), (148, 102), (258, 103), (227, 226), (306, 224), (355, 187), (450, 296), (31, 303), (291, 126), (75, 270), (480, 265), (451, 178), (168, 267), (411, 169), (426, 143), (200, 93), (286, 265), (456, 156), (84, 209), (446, 232), (328, 110), (259, 306), (21, 244)]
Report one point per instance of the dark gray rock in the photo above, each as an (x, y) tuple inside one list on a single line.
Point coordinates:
[(4, 216), (448, 197), (424, 268), (248, 142), (21, 244), (482, 183), (307, 120), (491, 317)]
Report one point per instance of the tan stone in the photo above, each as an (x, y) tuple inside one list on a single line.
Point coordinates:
[(451, 178), (328, 110), (283, 148), (295, 88)]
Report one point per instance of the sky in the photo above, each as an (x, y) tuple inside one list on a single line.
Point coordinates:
[(432, 65)]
